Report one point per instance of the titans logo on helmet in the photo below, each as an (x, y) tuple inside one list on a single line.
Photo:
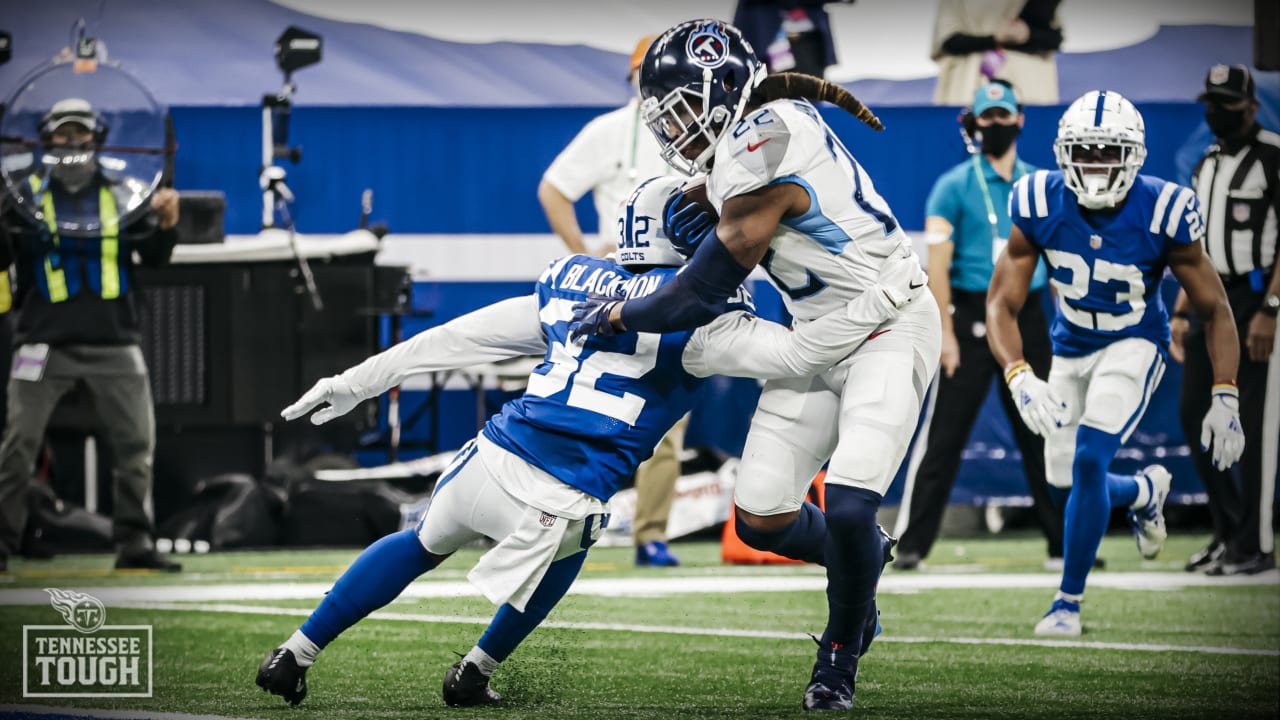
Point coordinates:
[(708, 46)]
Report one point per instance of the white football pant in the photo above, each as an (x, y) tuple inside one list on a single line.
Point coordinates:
[(860, 414), (1107, 390), (534, 518)]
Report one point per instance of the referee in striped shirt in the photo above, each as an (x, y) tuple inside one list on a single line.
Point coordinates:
[(1238, 183)]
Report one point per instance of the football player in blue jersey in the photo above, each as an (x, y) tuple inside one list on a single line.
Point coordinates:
[(791, 198), (1107, 234), (538, 477)]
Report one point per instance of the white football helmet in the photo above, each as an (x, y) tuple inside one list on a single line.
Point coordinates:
[(1101, 146), (641, 232)]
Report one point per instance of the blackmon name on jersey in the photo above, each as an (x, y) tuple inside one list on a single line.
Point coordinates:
[(1107, 272), (594, 411)]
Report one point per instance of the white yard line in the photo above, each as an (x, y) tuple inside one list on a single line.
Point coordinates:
[(715, 632), (109, 714), (652, 586)]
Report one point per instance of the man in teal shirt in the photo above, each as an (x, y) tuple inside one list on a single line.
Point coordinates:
[(967, 225)]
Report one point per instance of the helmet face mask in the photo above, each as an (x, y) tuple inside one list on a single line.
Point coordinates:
[(1100, 148), (687, 137), (696, 81)]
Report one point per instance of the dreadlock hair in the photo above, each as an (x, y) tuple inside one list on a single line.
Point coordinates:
[(777, 86)]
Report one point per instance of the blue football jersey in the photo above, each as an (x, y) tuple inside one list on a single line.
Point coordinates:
[(1107, 276), (593, 412)]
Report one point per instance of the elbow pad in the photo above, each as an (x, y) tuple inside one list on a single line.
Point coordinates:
[(694, 298)]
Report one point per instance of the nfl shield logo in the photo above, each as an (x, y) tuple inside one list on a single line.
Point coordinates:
[(547, 519), (1240, 212), (1095, 241), (1218, 74)]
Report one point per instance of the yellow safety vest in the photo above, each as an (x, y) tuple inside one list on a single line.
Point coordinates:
[(6, 292), (110, 216)]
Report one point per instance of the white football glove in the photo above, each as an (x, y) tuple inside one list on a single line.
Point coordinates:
[(335, 391), (901, 279), (1040, 407), (1221, 427)]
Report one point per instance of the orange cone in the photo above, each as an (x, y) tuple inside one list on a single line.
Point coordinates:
[(735, 552)]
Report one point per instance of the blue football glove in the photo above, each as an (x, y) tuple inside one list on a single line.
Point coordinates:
[(591, 317), (686, 226)]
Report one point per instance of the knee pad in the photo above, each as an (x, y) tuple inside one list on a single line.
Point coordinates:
[(1057, 470)]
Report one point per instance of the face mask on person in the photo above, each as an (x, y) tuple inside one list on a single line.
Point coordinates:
[(997, 139), (1223, 122), (75, 168)]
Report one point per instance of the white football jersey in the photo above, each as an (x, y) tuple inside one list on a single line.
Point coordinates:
[(831, 254)]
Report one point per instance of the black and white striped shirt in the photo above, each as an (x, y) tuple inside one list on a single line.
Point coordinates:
[(1239, 191)]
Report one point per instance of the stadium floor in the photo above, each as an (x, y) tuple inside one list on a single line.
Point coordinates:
[(700, 641)]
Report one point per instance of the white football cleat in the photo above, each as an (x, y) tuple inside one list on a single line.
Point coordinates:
[(1062, 620), (1148, 521)]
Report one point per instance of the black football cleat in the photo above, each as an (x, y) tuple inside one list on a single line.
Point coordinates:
[(831, 685), (1207, 557), (146, 560), (466, 686), (281, 675)]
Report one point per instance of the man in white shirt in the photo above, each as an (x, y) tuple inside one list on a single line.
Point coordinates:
[(608, 158)]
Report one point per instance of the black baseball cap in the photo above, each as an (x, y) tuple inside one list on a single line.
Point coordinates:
[(1228, 82)]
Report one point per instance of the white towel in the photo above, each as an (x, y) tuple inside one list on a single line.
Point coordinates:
[(511, 571)]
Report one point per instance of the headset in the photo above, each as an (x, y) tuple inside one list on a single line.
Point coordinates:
[(100, 127)]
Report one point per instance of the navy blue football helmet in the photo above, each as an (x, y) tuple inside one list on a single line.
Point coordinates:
[(696, 81)]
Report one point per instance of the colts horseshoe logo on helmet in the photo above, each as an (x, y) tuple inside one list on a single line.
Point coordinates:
[(708, 46)]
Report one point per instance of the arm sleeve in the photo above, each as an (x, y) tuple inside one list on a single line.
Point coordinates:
[(743, 345), (158, 248), (505, 329), (961, 44), (1041, 17), (153, 245), (694, 298)]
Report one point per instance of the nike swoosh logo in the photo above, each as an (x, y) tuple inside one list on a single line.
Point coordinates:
[(913, 286), (753, 148), (877, 334)]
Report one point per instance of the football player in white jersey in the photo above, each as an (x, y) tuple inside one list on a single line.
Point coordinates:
[(792, 199), (1107, 234), (538, 477)]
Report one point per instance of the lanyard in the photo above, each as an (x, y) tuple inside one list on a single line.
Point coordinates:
[(633, 170), (1018, 171)]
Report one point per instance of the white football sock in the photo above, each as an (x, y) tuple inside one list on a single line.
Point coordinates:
[(481, 659), (1077, 599), (303, 649)]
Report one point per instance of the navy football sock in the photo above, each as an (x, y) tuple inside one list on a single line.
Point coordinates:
[(855, 558), (1089, 506), (804, 539), (381, 573), (1058, 496), (510, 626)]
